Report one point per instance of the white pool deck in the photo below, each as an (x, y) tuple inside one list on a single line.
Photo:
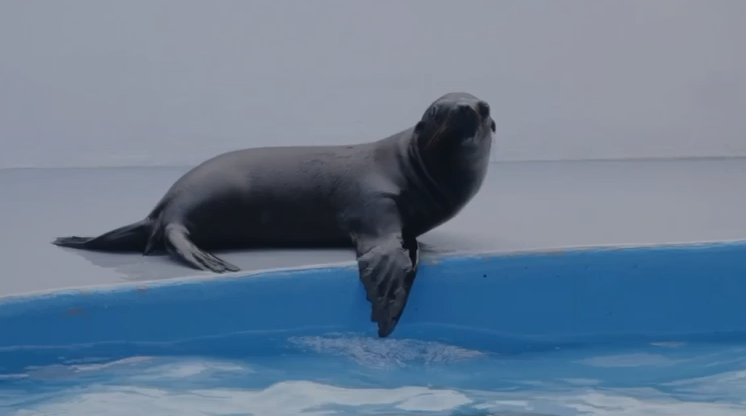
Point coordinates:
[(522, 206)]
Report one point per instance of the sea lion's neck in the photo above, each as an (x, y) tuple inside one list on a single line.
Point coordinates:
[(444, 181), (429, 177)]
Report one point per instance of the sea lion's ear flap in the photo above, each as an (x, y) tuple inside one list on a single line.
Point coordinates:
[(419, 127), (492, 126)]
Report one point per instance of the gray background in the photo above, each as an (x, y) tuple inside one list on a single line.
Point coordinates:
[(153, 82)]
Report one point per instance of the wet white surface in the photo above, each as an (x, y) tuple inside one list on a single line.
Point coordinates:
[(523, 206)]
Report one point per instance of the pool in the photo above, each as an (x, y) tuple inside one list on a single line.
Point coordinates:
[(642, 330), (350, 374)]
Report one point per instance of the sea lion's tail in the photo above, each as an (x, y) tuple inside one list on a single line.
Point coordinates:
[(132, 237)]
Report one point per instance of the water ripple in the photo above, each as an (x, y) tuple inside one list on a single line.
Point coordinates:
[(349, 375)]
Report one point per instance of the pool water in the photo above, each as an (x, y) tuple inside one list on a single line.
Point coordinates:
[(353, 375)]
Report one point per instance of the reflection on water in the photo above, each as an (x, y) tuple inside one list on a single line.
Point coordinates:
[(349, 375)]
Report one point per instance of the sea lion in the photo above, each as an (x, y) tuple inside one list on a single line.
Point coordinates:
[(377, 197)]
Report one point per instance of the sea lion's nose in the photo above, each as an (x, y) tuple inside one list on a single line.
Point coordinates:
[(484, 109)]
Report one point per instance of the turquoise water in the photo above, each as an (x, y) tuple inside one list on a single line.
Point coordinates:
[(351, 375)]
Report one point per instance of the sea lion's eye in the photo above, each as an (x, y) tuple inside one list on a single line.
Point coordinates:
[(484, 109)]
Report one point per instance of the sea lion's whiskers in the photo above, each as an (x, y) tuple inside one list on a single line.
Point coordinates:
[(438, 133)]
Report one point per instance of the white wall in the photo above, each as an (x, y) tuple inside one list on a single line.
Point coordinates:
[(142, 82)]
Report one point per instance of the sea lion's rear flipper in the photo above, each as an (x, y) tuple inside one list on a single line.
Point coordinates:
[(132, 237), (387, 261), (182, 248)]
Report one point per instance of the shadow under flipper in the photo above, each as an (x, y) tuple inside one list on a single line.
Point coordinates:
[(439, 242), (160, 266), (135, 266)]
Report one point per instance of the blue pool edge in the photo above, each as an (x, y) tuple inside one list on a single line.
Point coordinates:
[(507, 302)]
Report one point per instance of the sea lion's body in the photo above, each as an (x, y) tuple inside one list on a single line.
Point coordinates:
[(377, 197), (297, 196)]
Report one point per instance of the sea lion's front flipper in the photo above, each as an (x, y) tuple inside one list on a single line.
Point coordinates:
[(182, 248), (387, 269), (387, 262)]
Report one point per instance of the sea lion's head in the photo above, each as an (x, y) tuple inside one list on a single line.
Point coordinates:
[(457, 122), (454, 141)]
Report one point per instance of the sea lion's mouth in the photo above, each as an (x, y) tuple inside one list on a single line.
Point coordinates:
[(466, 121)]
